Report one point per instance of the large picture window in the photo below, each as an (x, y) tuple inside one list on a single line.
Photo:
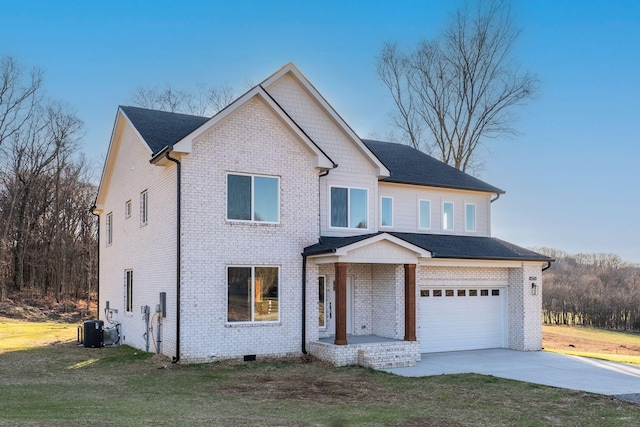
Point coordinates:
[(253, 294), (349, 207), (253, 198)]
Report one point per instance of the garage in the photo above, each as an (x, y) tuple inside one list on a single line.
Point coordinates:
[(469, 318)]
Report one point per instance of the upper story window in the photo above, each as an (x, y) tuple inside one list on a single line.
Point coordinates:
[(386, 212), (470, 217), (425, 214), (127, 209), (349, 207), (447, 216), (253, 198), (252, 294), (144, 207), (109, 221)]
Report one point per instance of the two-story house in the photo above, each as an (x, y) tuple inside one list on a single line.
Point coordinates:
[(272, 229)]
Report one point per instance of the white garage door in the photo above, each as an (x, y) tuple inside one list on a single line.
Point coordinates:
[(462, 319)]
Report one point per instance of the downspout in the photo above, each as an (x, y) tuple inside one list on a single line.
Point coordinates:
[(176, 358), (547, 267), (92, 210), (497, 197), (304, 276)]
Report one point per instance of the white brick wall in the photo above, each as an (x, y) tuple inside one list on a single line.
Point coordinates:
[(254, 141), (149, 250)]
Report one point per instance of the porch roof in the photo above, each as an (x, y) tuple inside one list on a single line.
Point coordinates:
[(440, 246)]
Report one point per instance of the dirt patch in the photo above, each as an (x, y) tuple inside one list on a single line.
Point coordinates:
[(558, 341), (43, 309)]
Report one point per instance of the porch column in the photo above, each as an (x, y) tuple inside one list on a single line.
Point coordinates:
[(410, 302), (341, 304)]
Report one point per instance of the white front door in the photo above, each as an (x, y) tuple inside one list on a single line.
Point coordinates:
[(331, 305)]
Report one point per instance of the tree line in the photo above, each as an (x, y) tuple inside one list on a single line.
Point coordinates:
[(48, 236), (598, 290)]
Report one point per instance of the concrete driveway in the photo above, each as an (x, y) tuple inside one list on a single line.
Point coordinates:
[(539, 367)]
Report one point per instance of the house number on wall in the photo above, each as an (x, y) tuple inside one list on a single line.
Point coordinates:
[(533, 278)]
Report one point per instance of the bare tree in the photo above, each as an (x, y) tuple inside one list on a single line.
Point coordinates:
[(203, 101), (455, 92), (19, 95)]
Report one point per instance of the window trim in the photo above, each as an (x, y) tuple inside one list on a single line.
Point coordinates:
[(127, 209), (109, 229), (348, 188), (382, 211), (420, 214), (453, 222), (252, 202), (466, 218), (144, 208), (252, 295), (128, 291)]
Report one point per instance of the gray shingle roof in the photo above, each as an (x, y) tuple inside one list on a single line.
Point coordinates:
[(441, 246), (161, 128), (410, 166)]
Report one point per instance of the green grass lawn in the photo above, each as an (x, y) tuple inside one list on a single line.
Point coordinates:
[(68, 385)]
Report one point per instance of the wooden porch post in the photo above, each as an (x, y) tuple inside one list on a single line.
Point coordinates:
[(341, 304), (409, 302)]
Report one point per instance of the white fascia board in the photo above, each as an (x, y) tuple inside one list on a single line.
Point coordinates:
[(450, 262), (420, 253), (383, 172), (185, 145)]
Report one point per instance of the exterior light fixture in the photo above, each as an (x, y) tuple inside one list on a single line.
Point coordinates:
[(534, 289)]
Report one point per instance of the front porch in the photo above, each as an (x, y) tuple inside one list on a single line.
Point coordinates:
[(370, 351)]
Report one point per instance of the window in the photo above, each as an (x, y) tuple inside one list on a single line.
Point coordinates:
[(349, 207), (127, 209), (424, 292), (473, 292), (447, 216), (128, 291), (144, 207), (109, 228), (470, 218), (462, 292), (322, 297), (253, 198), (252, 294), (386, 212), (484, 292), (425, 214)]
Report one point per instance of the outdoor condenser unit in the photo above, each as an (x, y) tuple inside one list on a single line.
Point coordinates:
[(94, 333)]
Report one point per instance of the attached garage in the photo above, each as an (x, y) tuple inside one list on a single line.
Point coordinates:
[(462, 318)]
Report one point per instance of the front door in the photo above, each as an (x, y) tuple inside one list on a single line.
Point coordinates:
[(330, 309)]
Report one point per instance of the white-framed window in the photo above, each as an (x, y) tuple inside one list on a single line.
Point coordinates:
[(253, 294), (127, 209), (109, 221), (424, 214), (144, 207), (386, 212), (447, 216), (253, 198), (128, 291), (470, 217), (349, 207), (322, 298)]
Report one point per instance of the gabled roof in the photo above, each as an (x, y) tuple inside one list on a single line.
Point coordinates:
[(410, 166), (161, 129), (440, 246)]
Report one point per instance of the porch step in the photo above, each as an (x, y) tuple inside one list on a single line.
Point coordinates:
[(387, 357)]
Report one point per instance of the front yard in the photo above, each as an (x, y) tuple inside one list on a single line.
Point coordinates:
[(66, 385)]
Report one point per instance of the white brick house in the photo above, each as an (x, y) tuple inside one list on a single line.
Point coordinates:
[(272, 229)]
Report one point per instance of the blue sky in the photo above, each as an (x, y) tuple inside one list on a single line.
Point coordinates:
[(572, 175)]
